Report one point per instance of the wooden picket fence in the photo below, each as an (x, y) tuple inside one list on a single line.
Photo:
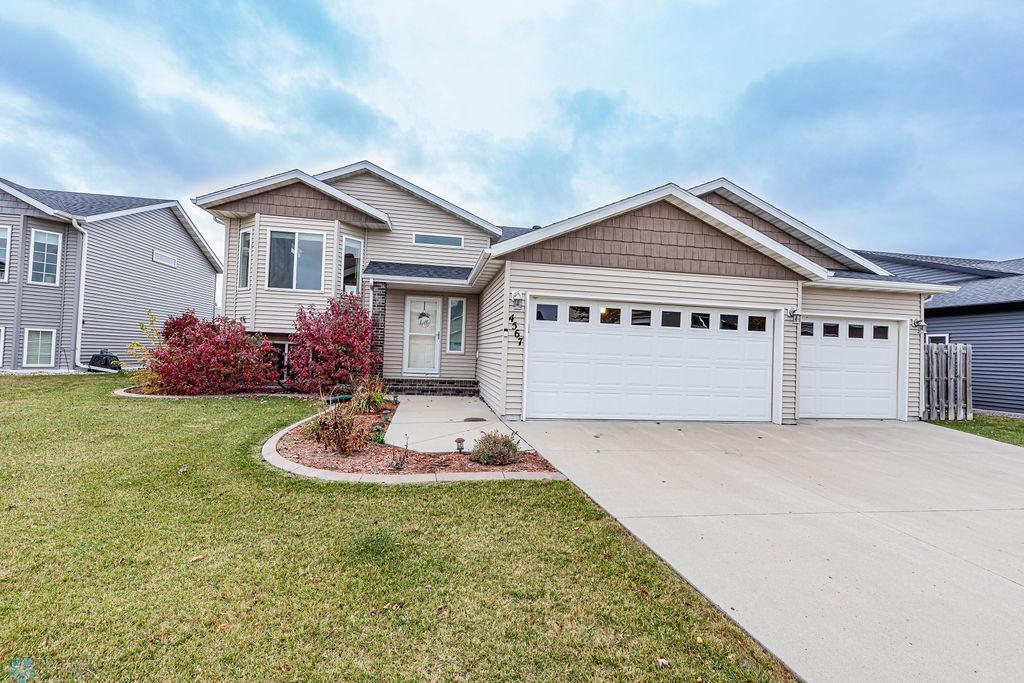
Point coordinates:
[(947, 374)]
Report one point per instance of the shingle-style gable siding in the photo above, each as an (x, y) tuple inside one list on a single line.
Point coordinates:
[(12, 206), (777, 234), (120, 252), (297, 200), (410, 214), (658, 237)]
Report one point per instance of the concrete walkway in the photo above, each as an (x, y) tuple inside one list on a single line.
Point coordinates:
[(855, 551), (432, 423)]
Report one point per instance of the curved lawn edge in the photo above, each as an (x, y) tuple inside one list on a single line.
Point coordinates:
[(125, 393), (275, 459)]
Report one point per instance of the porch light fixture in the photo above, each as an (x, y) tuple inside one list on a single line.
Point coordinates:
[(518, 297), (918, 324), (793, 314)]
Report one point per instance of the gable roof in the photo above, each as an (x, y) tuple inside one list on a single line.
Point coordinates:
[(685, 201), (971, 266), (787, 223), (370, 167), (89, 207), (209, 201)]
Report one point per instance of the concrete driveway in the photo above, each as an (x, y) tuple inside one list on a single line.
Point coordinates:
[(852, 550)]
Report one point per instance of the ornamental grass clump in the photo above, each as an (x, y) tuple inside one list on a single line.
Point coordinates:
[(495, 448), (336, 429), (189, 356), (369, 396)]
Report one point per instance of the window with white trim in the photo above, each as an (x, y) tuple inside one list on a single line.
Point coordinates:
[(937, 339), (244, 247), (5, 250), (456, 325), (39, 348), (352, 265), (296, 260), (44, 258), (431, 240)]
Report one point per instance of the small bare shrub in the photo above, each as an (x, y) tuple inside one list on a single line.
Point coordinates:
[(495, 448), (369, 396), (336, 429), (397, 460)]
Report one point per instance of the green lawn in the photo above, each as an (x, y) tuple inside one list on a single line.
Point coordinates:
[(146, 539), (1007, 429)]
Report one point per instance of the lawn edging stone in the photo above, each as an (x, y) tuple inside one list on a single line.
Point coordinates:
[(126, 392), (272, 457)]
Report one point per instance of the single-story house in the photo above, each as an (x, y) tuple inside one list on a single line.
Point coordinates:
[(80, 271), (705, 303), (987, 312)]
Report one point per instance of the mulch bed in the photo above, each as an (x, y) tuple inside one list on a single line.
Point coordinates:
[(376, 458)]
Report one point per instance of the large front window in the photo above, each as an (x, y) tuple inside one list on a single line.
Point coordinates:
[(244, 246), (352, 265), (45, 257), (296, 260)]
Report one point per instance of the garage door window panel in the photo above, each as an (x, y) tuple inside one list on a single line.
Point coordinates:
[(700, 321), (728, 321), (757, 323), (830, 330), (880, 332), (855, 332), (547, 312), (579, 314), (640, 317), (806, 329), (610, 315), (671, 318)]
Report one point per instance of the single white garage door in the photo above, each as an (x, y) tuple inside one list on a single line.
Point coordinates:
[(848, 368), (609, 361)]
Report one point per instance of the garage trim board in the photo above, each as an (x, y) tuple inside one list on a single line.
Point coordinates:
[(627, 359)]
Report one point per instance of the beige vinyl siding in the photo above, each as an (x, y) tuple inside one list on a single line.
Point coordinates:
[(409, 214), (490, 361), (237, 302), (453, 365), (631, 285), (822, 301), (276, 308)]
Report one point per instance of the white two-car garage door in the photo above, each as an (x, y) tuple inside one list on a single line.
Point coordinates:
[(608, 360), (849, 368)]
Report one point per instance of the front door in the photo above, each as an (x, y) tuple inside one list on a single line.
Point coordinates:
[(422, 334)]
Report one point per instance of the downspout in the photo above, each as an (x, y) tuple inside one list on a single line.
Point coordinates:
[(80, 318)]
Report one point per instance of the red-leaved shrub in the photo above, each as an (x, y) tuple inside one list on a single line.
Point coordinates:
[(331, 348), (194, 357)]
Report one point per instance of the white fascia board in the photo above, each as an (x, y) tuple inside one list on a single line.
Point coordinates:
[(30, 201), (688, 203), (753, 203), (426, 195), (128, 212), (478, 267), (285, 178), (882, 285)]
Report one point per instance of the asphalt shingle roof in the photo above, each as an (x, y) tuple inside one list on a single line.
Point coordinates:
[(953, 261), (417, 270), (508, 232), (84, 203), (992, 290), (858, 275)]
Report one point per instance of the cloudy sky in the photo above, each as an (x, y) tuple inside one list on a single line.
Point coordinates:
[(894, 126)]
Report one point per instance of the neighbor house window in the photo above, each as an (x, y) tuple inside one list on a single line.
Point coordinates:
[(579, 314), (881, 332), (39, 348), (5, 250), (427, 239), (45, 257), (456, 325), (547, 312), (244, 249), (938, 339), (353, 265), (164, 258), (296, 260)]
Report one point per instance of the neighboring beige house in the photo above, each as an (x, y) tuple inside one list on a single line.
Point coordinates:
[(673, 304)]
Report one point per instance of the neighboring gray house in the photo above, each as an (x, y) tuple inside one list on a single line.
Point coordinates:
[(987, 312), (78, 273)]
